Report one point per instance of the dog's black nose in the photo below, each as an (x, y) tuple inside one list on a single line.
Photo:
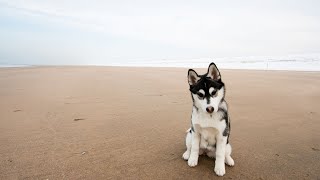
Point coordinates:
[(210, 109)]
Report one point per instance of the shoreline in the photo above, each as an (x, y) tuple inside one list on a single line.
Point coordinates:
[(154, 67)]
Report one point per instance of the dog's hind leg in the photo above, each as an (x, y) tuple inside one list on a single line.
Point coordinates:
[(229, 161), (186, 154)]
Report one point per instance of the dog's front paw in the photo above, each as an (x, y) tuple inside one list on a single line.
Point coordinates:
[(219, 169), (193, 161), (186, 155)]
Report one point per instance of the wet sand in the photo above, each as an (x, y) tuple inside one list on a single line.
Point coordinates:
[(130, 123)]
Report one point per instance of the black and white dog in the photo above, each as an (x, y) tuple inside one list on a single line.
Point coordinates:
[(210, 123)]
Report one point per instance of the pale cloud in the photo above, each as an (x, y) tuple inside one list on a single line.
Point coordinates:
[(192, 28)]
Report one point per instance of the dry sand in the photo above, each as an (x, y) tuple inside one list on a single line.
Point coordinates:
[(130, 123)]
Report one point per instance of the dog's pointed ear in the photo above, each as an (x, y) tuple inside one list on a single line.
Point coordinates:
[(192, 77), (213, 72)]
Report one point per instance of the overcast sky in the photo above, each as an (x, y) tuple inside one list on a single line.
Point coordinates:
[(98, 32)]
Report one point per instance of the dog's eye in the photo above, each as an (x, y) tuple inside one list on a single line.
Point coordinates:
[(200, 94), (213, 92)]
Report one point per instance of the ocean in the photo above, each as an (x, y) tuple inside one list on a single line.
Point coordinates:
[(294, 63)]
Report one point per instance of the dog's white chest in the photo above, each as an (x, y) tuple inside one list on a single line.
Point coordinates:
[(209, 127), (209, 121), (208, 138)]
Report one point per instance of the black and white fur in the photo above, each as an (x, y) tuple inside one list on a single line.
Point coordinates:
[(210, 123)]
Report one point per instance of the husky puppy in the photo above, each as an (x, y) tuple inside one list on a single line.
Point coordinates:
[(210, 123)]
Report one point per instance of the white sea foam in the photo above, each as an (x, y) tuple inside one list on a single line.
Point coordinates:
[(12, 65), (310, 62), (297, 62)]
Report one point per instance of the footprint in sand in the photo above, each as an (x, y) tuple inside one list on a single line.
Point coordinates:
[(78, 119)]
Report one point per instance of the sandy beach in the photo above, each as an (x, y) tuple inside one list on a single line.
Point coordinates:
[(130, 123)]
